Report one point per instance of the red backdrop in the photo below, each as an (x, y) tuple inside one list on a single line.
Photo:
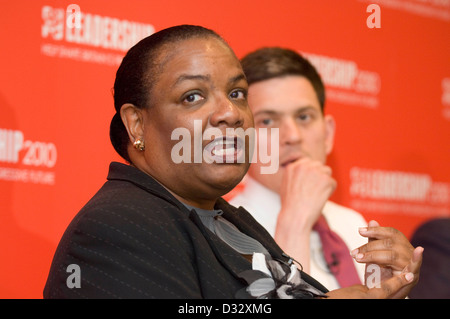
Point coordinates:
[(388, 88)]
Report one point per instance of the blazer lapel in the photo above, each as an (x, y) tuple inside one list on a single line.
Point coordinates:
[(227, 256), (248, 225)]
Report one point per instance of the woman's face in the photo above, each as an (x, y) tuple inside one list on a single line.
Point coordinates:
[(201, 80)]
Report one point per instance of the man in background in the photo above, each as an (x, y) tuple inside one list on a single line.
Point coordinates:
[(286, 92)]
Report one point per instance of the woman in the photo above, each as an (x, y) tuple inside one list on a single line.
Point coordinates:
[(152, 230)]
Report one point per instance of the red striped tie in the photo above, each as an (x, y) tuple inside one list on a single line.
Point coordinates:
[(337, 255)]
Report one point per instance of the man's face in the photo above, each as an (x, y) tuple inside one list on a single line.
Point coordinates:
[(290, 104)]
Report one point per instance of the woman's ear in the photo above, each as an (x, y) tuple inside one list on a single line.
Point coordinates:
[(133, 120)]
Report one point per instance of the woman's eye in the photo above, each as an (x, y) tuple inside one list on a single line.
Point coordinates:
[(238, 94), (193, 97)]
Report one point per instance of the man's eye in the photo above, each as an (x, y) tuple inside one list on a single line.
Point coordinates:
[(304, 117), (266, 122)]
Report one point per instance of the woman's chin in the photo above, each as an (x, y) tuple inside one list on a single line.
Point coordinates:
[(227, 178)]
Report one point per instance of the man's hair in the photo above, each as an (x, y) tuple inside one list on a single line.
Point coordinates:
[(274, 62), (138, 72)]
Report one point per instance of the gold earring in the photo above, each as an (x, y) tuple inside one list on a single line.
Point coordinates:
[(139, 144)]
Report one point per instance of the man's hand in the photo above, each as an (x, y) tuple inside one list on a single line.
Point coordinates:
[(306, 187)]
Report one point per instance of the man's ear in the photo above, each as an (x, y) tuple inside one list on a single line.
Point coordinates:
[(330, 129), (133, 120)]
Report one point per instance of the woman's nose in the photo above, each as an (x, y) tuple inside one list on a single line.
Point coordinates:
[(226, 113)]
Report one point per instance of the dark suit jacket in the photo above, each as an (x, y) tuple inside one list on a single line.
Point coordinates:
[(133, 239), (434, 281)]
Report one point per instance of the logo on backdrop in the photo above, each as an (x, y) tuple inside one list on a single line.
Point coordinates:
[(73, 34), (436, 9), (37, 159), (396, 192), (346, 82)]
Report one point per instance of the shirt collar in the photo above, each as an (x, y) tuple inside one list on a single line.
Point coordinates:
[(266, 204)]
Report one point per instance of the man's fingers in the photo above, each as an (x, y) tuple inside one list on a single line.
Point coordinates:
[(373, 223), (327, 170)]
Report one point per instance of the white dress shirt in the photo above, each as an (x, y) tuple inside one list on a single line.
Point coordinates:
[(264, 205)]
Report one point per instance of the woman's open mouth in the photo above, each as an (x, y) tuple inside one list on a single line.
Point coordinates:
[(225, 149)]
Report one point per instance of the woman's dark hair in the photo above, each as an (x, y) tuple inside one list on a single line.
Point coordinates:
[(138, 72), (274, 62)]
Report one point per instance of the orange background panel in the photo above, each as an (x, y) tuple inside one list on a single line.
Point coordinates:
[(55, 95)]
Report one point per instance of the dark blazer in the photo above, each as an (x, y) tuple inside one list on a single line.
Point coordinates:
[(133, 239), (434, 281)]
